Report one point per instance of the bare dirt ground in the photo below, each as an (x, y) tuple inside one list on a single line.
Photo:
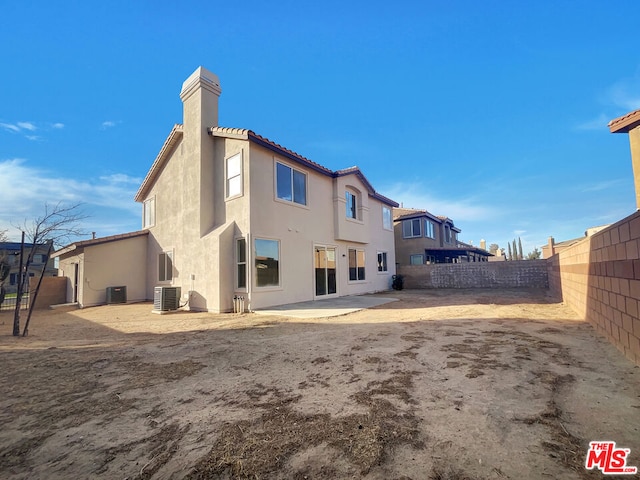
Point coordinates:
[(441, 384)]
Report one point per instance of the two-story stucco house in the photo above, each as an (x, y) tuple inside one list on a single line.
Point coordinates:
[(421, 237), (228, 213)]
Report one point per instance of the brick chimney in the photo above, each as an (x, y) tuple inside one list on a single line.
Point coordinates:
[(630, 123)]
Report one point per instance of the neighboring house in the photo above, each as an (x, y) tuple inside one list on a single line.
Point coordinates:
[(12, 252), (231, 213), (421, 237), (91, 266), (630, 124), (552, 247)]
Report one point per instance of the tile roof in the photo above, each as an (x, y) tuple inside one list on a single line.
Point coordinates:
[(98, 241), (169, 144), (625, 123), (242, 133)]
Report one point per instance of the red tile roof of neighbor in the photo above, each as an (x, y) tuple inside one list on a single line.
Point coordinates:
[(625, 123)]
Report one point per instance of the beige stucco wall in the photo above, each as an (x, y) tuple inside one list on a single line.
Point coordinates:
[(203, 255), (111, 264), (300, 228), (197, 223), (66, 269)]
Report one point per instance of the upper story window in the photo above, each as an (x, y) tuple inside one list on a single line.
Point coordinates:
[(149, 212), (234, 176), (387, 222), (291, 184), (429, 229), (447, 233), (352, 204), (411, 228)]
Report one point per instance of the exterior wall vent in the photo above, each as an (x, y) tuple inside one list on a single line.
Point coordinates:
[(116, 295), (166, 298)]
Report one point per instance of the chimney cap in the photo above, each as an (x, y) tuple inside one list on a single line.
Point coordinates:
[(201, 77)]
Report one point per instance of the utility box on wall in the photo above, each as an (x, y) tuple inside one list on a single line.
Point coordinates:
[(116, 295)]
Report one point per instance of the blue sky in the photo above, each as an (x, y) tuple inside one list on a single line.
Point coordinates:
[(492, 113)]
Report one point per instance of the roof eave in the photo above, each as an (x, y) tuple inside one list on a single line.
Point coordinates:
[(169, 145), (625, 123)]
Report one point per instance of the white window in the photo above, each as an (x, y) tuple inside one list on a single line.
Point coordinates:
[(416, 259), (267, 261), (165, 266), (149, 212), (429, 229), (352, 204), (386, 218), (382, 262), (291, 184), (241, 262), (356, 264), (234, 175), (411, 228)]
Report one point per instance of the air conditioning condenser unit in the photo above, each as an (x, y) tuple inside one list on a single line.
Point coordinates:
[(166, 299)]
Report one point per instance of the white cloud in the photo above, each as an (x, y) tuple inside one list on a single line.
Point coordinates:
[(519, 232), (108, 124), (19, 200), (625, 93), (27, 129), (602, 185), (598, 123), (121, 178), (27, 126), (10, 127), (415, 196)]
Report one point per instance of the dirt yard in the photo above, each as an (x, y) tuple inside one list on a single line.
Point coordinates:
[(440, 385)]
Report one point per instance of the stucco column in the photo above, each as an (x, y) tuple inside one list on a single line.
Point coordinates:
[(634, 141)]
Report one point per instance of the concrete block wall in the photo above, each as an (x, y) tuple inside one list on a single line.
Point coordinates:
[(526, 274), (53, 291), (599, 278)]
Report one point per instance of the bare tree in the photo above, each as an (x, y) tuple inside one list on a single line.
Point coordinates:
[(5, 266), (58, 225)]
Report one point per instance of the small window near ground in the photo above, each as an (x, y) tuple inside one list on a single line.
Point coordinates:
[(382, 261), (149, 213), (356, 265), (165, 267), (241, 261), (416, 259)]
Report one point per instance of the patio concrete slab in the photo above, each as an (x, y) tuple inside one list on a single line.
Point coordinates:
[(330, 307)]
